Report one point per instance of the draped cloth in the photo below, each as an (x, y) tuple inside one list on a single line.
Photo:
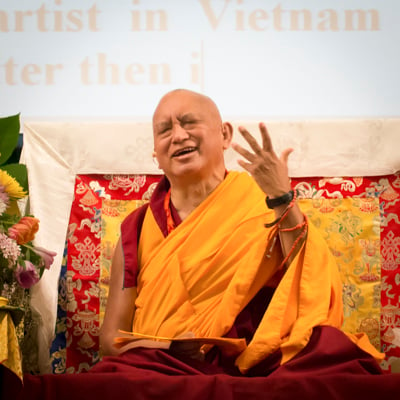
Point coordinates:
[(201, 276)]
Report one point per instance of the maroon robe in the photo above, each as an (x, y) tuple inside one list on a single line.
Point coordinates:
[(329, 367)]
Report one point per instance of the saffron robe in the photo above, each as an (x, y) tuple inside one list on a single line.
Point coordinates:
[(202, 275)]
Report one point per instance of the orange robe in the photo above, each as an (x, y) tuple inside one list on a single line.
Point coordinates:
[(206, 271)]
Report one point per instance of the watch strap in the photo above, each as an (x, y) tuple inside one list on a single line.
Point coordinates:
[(281, 200)]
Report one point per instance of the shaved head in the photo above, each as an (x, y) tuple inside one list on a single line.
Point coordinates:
[(185, 94), (189, 136)]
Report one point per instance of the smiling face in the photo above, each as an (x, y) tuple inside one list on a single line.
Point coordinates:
[(189, 136)]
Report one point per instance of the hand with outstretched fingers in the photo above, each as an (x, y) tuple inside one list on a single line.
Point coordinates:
[(269, 171)]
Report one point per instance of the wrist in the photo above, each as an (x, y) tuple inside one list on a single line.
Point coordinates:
[(284, 199)]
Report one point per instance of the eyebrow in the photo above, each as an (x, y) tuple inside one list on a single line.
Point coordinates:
[(162, 125), (188, 116)]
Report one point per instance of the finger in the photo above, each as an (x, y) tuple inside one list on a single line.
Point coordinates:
[(250, 140), (243, 152), (266, 138), (245, 165), (285, 155)]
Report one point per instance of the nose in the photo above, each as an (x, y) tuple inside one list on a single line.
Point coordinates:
[(179, 134)]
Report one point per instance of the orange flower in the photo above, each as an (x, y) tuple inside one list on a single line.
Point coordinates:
[(24, 230)]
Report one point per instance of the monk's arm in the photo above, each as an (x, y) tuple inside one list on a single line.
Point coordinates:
[(120, 305), (291, 240), (271, 174), (120, 311)]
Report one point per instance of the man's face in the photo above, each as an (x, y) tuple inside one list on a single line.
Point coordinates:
[(188, 136)]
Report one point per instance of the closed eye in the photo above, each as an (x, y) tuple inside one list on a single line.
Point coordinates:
[(163, 128), (188, 121), (188, 124)]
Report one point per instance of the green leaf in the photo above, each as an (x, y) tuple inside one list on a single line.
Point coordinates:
[(19, 173), (9, 132)]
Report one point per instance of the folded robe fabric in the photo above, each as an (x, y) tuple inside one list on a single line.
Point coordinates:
[(330, 367), (202, 275)]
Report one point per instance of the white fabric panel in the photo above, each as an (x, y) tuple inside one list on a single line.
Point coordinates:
[(55, 152)]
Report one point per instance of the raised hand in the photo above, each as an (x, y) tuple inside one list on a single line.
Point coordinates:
[(269, 171)]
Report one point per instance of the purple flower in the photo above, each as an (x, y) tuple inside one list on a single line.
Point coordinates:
[(47, 256), (27, 276)]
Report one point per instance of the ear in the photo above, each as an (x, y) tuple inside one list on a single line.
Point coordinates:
[(155, 160), (227, 133)]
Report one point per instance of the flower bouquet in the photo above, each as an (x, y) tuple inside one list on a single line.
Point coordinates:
[(21, 262)]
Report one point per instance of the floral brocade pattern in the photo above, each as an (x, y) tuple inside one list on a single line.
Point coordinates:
[(352, 236), (359, 217), (100, 203)]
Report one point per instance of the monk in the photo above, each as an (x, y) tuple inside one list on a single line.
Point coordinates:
[(205, 257), (220, 287), (189, 143)]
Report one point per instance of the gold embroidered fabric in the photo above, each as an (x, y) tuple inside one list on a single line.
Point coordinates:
[(10, 355)]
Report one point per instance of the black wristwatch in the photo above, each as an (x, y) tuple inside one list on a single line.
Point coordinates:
[(281, 200)]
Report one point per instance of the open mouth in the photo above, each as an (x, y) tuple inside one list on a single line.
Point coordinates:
[(184, 151)]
